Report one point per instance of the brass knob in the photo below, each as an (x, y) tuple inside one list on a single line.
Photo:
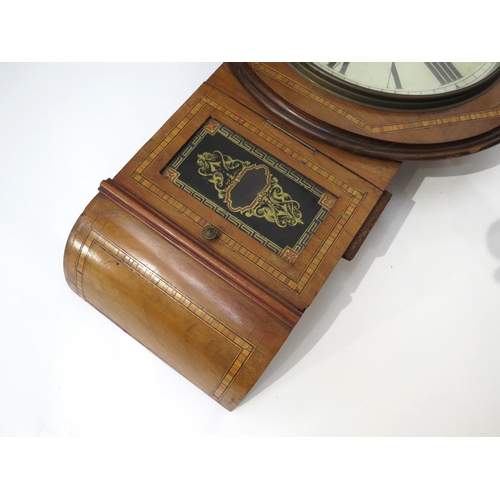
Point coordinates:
[(210, 232)]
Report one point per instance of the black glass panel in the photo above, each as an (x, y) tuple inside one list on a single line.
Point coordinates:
[(251, 188)]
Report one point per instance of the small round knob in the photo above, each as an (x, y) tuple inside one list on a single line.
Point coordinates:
[(210, 232)]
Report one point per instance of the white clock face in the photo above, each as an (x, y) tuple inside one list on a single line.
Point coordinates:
[(403, 86), (410, 78)]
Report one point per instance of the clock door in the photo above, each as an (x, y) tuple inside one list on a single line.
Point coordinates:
[(271, 206)]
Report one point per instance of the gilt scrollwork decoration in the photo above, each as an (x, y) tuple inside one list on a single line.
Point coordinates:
[(249, 189)]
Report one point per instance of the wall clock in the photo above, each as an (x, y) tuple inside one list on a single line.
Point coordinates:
[(211, 242)]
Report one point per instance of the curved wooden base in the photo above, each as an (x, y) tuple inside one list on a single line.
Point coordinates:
[(204, 326)]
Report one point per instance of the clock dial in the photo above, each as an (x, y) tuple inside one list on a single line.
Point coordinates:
[(403, 85)]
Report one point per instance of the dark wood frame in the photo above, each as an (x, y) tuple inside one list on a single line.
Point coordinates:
[(297, 118)]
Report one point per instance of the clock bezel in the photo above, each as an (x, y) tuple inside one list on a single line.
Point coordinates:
[(295, 104), (393, 101)]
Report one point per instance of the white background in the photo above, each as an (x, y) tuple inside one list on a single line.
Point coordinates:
[(402, 341)]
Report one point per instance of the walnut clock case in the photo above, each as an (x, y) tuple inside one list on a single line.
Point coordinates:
[(211, 242)]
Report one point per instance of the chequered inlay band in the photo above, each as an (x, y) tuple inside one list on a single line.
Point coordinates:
[(245, 348)]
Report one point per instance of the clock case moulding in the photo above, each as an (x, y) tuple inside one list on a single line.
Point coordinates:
[(210, 278), (385, 134)]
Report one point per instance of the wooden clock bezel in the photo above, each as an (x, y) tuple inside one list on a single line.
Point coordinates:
[(387, 135)]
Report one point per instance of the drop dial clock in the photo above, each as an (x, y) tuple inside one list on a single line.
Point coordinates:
[(211, 242)]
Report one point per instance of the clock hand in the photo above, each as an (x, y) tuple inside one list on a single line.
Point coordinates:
[(343, 68), (395, 76)]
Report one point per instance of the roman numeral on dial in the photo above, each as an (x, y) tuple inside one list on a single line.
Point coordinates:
[(394, 77), (343, 68), (445, 72)]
